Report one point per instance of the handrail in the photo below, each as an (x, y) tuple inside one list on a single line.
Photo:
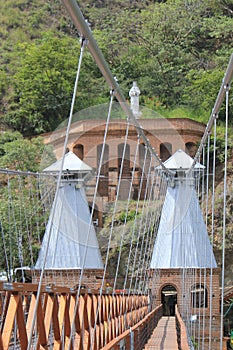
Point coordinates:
[(144, 322), (57, 307), (181, 332)]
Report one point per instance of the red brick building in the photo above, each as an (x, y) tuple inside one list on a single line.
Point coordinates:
[(86, 138)]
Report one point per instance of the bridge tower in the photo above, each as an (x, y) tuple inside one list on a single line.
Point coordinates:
[(69, 243), (183, 268)]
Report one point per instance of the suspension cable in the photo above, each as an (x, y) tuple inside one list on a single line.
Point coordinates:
[(212, 233), (126, 213), (82, 26), (154, 223), (83, 44), (147, 230), (134, 226), (215, 111), (141, 225), (224, 214), (5, 251), (91, 216), (206, 222)]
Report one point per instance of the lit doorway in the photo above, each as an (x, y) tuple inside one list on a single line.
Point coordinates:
[(169, 300)]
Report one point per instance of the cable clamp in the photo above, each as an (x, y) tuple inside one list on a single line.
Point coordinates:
[(83, 42)]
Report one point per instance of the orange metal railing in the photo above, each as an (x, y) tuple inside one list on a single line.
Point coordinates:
[(181, 332), (98, 318), (137, 336)]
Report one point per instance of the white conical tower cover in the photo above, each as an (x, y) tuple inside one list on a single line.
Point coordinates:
[(73, 243), (71, 163), (182, 239)]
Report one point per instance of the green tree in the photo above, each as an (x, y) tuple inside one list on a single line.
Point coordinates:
[(170, 47), (22, 154), (23, 212), (165, 44), (43, 84)]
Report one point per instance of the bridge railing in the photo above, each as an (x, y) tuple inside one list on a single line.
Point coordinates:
[(137, 336), (181, 332), (98, 318)]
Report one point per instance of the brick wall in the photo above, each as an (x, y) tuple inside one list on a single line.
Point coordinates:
[(85, 137), (184, 281), (91, 279)]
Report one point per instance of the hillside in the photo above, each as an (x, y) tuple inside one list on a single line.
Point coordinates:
[(176, 53)]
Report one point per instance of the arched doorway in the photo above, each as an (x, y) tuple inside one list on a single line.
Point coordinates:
[(169, 300)]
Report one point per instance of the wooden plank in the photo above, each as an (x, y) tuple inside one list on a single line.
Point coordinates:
[(21, 326), (89, 306), (30, 314), (61, 305), (61, 310), (96, 319), (32, 287), (48, 314), (101, 328), (69, 314), (80, 314), (42, 339), (123, 310), (97, 335), (1, 303), (1, 343), (86, 334), (5, 308), (110, 317), (9, 321), (56, 326)]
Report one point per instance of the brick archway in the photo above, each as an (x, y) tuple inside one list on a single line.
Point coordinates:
[(169, 299)]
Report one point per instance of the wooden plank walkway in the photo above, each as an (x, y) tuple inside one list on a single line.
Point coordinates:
[(164, 335)]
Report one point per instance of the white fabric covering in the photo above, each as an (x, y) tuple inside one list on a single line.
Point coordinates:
[(181, 160), (182, 239), (70, 227), (71, 163)]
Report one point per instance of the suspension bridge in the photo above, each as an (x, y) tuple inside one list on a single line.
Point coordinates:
[(163, 289)]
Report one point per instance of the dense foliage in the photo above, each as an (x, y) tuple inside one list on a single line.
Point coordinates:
[(176, 51)]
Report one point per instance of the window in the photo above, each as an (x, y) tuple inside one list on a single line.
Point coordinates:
[(104, 171), (124, 150), (190, 148), (165, 151), (79, 151), (126, 165), (199, 296)]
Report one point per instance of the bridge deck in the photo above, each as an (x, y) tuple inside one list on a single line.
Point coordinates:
[(164, 335)]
